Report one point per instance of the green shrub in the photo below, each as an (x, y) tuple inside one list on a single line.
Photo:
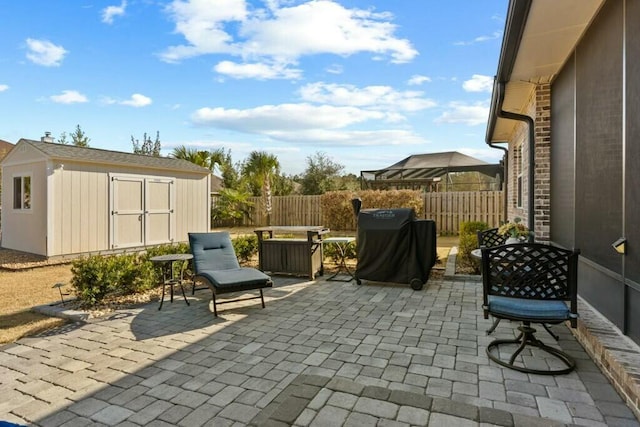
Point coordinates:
[(153, 271), (337, 211), (468, 242), (245, 247), (332, 251), (97, 276)]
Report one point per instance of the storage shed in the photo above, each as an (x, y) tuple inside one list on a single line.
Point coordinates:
[(63, 200)]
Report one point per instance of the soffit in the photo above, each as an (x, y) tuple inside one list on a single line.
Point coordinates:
[(552, 31)]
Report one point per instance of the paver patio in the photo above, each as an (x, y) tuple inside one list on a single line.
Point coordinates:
[(320, 354)]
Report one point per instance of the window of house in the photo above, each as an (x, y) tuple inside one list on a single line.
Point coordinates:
[(22, 192), (520, 169)]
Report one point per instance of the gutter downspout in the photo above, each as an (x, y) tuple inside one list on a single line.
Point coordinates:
[(517, 14), (532, 153), (505, 177)]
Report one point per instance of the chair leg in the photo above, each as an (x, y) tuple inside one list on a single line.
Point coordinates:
[(494, 326), (262, 298), (550, 331), (527, 338), (215, 310)]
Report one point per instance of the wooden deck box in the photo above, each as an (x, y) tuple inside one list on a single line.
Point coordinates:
[(290, 253)]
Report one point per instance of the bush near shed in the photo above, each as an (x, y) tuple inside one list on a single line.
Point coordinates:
[(97, 277)]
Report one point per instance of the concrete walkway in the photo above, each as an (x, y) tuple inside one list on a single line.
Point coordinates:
[(320, 354)]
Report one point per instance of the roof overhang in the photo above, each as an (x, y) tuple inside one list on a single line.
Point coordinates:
[(539, 36)]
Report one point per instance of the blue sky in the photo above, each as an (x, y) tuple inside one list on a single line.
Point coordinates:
[(368, 82)]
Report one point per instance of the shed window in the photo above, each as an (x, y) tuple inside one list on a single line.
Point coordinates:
[(22, 192)]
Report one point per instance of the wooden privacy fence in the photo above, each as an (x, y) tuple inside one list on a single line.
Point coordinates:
[(446, 209)]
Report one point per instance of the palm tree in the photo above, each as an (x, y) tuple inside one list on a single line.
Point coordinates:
[(260, 168), (199, 157)]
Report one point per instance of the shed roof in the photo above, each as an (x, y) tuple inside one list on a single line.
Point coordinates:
[(97, 155), (431, 165)]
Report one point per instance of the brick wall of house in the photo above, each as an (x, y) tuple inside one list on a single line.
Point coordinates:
[(539, 108), (519, 166), (542, 197)]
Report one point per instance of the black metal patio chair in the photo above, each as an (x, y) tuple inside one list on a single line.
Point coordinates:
[(488, 239), (530, 283), (215, 264)]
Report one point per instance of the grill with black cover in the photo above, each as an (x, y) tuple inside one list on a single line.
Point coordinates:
[(393, 246)]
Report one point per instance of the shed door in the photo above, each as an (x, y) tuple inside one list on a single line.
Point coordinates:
[(159, 211), (127, 212), (141, 211)]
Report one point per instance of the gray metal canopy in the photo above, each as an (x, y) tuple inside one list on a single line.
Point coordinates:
[(426, 167)]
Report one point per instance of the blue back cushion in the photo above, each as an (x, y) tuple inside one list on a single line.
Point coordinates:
[(212, 251)]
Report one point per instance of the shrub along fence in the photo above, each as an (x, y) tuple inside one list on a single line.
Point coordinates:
[(448, 210)]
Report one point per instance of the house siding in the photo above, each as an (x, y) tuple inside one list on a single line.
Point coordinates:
[(28, 227)]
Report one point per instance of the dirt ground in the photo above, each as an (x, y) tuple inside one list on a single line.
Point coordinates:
[(22, 289), (27, 280)]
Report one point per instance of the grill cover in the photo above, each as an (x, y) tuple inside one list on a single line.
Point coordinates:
[(395, 247)]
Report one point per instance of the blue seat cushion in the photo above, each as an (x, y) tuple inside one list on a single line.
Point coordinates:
[(237, 278), (528, 309)]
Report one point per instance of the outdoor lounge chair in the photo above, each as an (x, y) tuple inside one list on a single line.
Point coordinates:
[(530, 283), (215, 263)]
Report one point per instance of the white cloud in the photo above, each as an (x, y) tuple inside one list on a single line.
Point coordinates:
[(69, 97), (417, 80), (380, 97), (201, 22), (269, 119), (43, 52), (282, 33), (354, 138), (308, 124), (109, 12), (471, 115), (4, 87), (481, 39), (137, 100), (260, 71), (478, 83)]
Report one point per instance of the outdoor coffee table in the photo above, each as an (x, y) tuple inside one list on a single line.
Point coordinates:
[(341, 243), (166, 263)]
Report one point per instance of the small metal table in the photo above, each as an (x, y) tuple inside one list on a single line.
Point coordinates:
[(166, 262), (341, 243)]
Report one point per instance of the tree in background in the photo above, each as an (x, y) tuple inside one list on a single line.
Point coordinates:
[(260, 169), (62, 139), (79, 138), (148, 147), (283, 185), (231, 205), (322, 174), (231, 176), (349, 182), (199, 157)]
